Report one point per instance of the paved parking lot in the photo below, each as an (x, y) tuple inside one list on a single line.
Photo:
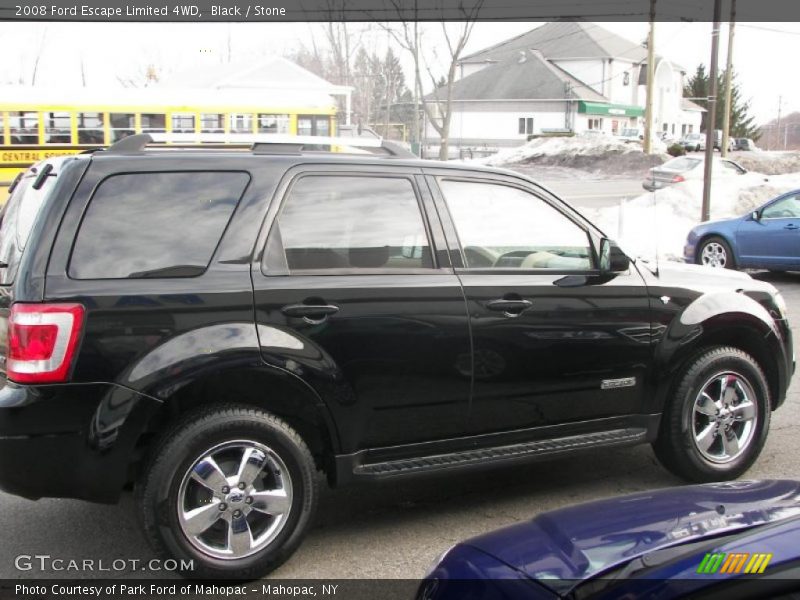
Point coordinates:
[(395, 530)]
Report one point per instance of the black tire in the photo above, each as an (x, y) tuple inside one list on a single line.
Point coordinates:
[(730, 261), (676, 447), (197, 435)]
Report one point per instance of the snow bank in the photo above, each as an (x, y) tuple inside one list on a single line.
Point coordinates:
[(579, 145), (658, 222)]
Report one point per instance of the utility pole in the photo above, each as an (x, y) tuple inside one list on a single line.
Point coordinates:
[(651, 75), (726, 120), (778, 130), (712, 112)]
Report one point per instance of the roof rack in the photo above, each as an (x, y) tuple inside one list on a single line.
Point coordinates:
[(259, 144)]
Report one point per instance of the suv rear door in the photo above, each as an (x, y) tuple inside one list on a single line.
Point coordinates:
[(355, 293), (554, 341)]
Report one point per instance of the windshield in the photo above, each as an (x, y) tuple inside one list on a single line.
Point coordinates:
[(630, 132), (20, 214)]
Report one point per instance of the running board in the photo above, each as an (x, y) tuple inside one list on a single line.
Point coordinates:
[(497, 454)]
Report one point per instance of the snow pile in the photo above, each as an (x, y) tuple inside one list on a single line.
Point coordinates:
[(562, 146), (659, 222), (768, 162)]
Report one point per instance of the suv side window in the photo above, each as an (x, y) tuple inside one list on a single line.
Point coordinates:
[(357, 223), (155, 224), (501, 226)]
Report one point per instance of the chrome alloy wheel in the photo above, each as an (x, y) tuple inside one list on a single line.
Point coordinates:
[(234, 500), (714, 255), (724, 417)]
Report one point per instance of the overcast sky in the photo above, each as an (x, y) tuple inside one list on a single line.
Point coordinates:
[(762, 57)]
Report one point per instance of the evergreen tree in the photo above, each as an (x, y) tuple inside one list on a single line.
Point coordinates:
[(741, 122)]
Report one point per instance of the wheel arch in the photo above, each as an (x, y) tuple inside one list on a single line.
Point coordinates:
[(260, 386), (741, 330)]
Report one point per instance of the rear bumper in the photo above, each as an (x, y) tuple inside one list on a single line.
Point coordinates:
[(58, 441)]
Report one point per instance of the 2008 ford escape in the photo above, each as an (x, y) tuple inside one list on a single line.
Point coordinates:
[(216, 326)]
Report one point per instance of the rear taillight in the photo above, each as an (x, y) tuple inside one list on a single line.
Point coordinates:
[(42, 340), (678, 179)]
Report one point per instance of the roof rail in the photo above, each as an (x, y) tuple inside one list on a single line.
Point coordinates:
[(132, 143), (272, 143)]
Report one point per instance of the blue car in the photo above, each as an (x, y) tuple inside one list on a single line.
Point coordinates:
[(767, 238), (733, 540)]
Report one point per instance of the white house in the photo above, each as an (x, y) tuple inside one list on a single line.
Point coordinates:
[(564, 75)]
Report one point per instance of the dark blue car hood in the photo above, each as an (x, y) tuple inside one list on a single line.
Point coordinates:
[(561, 547)]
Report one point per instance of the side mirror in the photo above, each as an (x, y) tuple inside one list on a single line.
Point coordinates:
[(755, 216), (612, 258)]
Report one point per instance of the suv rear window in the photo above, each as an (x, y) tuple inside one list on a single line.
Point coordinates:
[(155, 224), (20, 213)]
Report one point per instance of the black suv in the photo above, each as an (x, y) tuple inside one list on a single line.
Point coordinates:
[(215, 326)]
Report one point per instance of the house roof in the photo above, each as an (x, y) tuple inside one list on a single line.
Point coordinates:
[(274, 72), (689, 105), (521, 75), (565, 39)]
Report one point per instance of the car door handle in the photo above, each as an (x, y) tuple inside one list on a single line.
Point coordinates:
[(791, 226), (310, 311), (509, 307)]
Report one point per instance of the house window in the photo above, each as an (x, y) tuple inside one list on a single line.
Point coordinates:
[(626, 78), (595, 123), (525, 125)]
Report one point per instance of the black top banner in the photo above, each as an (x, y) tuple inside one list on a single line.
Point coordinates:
[(394, 10)]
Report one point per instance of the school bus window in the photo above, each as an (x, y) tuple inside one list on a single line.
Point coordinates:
[(23, 127), (313, 125), (57, 128), (241, 123), (122, 125), (273, 123), (183, 123), (154, 123), (212, 123), (90, 128)]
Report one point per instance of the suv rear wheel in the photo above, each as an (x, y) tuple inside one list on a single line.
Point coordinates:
[(716, 423), (232, 489)]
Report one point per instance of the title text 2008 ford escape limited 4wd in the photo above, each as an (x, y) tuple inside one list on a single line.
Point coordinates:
[(214, 326)]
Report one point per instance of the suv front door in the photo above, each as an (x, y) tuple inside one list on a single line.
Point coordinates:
[(352, 295), (554, 340)]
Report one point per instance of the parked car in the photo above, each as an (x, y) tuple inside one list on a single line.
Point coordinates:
[(688, 168), (745, 144), (716, 540), (631, 134), (766, 238), (693, 142), (214, 326)]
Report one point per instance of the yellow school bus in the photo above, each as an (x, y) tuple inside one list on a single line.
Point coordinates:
[(37, 123)]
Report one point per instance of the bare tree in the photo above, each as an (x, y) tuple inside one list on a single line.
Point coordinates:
[(144, 76), (38, 56), (438, 106)]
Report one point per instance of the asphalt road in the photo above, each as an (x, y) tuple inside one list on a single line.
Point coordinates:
[(395, 530), (595, 193)]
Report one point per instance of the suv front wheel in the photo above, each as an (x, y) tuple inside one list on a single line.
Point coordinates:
[(231, 489), (715, 425)]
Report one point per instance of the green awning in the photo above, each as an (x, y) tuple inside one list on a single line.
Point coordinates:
[(613, 110)]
